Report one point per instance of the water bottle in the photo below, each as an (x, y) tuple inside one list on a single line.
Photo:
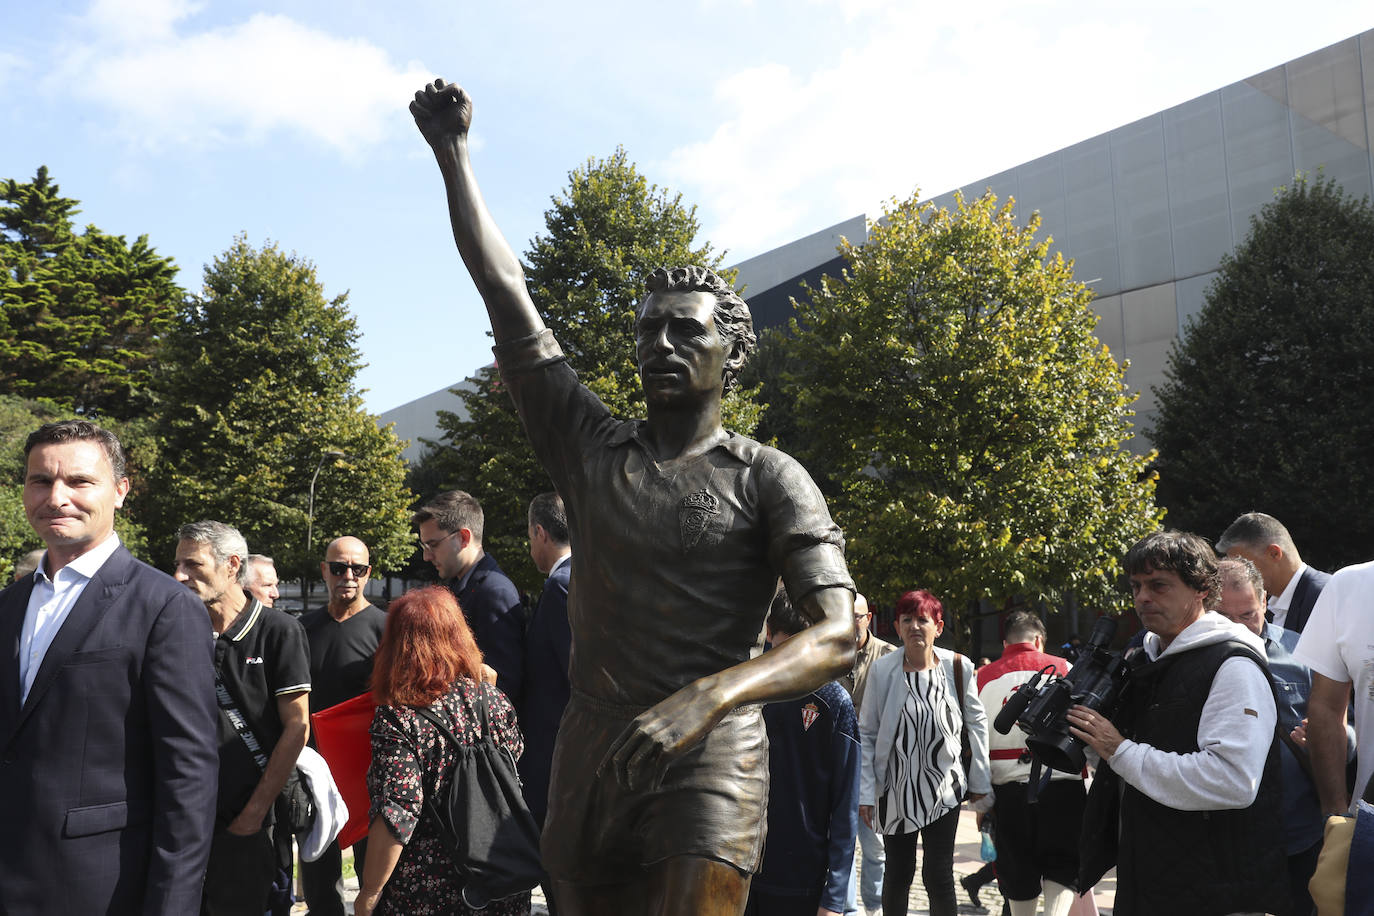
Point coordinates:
[(987, 850)]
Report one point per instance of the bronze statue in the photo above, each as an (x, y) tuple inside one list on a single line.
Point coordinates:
[(679, 533)]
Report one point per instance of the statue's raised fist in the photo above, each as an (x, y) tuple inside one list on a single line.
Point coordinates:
[(442, 111)]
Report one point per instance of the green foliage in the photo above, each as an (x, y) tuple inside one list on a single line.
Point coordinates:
[(1266, 401), (18, 418), (778, 425), (951, 389), (80, 314), (258, 385), (605, 233)]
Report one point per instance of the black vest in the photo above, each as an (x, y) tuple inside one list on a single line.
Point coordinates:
[(1195, 863)]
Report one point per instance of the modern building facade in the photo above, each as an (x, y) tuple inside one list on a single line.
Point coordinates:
[(1146, 211)]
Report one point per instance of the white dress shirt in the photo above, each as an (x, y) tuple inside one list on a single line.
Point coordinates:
[(50, 603), (1278, 605)]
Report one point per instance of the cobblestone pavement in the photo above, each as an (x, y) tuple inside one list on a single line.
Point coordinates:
[(966, 862)]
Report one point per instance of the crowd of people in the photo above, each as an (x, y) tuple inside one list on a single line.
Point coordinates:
[(155, 730), (150, 767)]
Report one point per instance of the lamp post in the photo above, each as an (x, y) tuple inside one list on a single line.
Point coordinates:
[(310, 527)]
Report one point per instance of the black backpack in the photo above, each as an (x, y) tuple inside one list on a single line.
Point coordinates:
[(483, 820)]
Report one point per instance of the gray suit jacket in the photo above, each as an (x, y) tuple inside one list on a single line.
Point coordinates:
[(108, 771)]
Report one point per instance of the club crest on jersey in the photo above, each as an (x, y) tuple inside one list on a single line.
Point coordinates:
[(810, 713), (694, 514)]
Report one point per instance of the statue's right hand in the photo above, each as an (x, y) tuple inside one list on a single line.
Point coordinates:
[(442, 111)]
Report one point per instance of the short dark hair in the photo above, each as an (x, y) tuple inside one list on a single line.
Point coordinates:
[(783, 617), (734, 322), (1023, 626), (79, 431), (547, 511), (452, 511), (918, 602), (1255, 529), (1181, 552)]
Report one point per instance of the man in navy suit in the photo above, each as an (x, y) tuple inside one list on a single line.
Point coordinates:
[(548, 645), (108, 721), (1293, 586), (451, 537)]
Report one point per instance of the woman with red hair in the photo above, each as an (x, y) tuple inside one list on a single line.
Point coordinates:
[(427, 658), (920, 706)]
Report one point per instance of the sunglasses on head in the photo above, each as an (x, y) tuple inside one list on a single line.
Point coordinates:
[(338, 569)]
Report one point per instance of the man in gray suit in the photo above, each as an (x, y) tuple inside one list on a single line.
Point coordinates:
[(1293, 586), (108, 721)]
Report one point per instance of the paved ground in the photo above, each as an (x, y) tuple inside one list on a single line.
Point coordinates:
[(966, 862)]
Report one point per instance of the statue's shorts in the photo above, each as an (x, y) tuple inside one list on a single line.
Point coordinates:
[(712, 803)]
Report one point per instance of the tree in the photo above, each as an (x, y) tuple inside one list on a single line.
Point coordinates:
[(80, 314), (605, 233), (1265, 403), (970, 422), (257, 390)]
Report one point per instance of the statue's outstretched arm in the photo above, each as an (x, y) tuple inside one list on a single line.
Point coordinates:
[(822, 652), (443, 112)]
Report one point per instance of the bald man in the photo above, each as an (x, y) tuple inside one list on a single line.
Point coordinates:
[(343, 639)]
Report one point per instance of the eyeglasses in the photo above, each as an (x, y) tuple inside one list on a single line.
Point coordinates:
[(338, 569), (431, 546)]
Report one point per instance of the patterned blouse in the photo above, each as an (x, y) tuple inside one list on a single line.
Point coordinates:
[(410, 760), (925, 779)]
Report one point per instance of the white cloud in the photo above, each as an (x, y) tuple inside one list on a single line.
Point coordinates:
[(137, 20), (234, 83), (943, 95)]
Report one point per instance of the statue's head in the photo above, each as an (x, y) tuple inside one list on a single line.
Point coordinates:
[(690, 321)]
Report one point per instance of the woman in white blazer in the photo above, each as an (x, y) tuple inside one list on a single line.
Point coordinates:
[(920, 707)]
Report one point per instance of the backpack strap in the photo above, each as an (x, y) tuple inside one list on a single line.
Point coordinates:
[(425, 712), (480, 706), (482, 716)]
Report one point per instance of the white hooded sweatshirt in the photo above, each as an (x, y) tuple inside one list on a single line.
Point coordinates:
[(1233, 735)]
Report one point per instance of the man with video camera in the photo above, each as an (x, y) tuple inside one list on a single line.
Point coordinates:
[(1194, 742)]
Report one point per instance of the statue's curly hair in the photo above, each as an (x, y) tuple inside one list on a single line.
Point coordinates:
[(734, 322)]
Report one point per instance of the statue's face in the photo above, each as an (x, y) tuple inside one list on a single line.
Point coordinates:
[(681, 353)]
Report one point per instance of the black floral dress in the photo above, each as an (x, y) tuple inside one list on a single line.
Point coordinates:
[(410, 760)]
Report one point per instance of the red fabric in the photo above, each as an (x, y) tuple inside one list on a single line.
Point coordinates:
[(1003, 753), (341, 735), (1021, 656)]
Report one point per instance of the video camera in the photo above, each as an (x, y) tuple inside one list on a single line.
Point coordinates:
[(1095, 682)]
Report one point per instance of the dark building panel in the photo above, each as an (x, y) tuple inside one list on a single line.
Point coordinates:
[(773, 307)]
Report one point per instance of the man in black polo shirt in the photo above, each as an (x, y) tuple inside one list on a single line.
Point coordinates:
[(343, 639), (262, 669)]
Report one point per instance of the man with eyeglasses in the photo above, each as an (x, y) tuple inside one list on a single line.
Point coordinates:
[(451, 537), (343, 639)]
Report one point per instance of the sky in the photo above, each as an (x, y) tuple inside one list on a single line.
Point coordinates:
[(194, 122)]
